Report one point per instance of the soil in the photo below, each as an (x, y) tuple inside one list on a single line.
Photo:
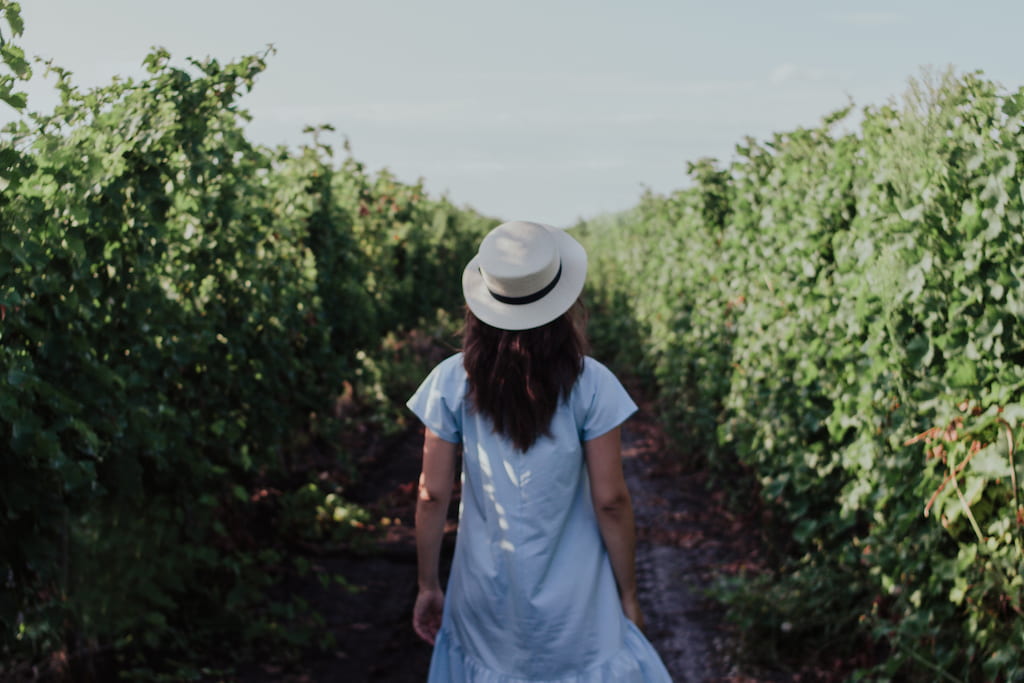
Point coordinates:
[(685, 538), (372, 619)]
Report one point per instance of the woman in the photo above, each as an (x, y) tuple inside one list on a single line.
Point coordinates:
[(542, 586)]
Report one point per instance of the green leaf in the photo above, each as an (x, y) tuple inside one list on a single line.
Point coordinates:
[(803, 530), (1013, 414), (920, 352), (991, 461), (958, 591), (77, 248), (9, 160), (962, 373), (14, 57), (973, 488), (18, 100), (12, 13)]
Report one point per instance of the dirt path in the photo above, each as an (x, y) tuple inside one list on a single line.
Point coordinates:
[(683, 540)]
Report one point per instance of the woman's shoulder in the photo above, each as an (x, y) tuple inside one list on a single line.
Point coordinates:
[(450, 370), (600, 401), (437, 400), (596, 371), (595, 378), (453, 361)]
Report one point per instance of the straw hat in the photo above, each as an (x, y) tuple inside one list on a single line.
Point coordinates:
[(524, 275)]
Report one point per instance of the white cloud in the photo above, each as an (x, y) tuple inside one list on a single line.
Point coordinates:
[(870, 18), (788, 72)]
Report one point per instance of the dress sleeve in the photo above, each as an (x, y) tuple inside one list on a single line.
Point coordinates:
[(610, 405), (437, 403)]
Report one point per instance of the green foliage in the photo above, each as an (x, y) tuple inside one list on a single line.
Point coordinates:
[(836, 328), (178, 309), (311, 514), (12, 56)]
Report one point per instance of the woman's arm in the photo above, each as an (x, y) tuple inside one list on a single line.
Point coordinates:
[(435, 491), (614, 510)]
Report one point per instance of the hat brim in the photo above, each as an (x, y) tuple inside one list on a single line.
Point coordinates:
[(528, 316)]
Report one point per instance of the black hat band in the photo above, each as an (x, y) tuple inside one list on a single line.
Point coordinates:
[(529, 298)]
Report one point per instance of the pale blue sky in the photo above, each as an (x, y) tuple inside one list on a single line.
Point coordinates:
[(541, 110)]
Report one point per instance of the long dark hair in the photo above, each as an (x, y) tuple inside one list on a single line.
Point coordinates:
[(517, 378)]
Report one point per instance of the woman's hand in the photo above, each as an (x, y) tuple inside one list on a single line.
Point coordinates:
[(631, 606), (426, 614)]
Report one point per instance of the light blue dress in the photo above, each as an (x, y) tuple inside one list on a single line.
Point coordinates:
[(531, 595)]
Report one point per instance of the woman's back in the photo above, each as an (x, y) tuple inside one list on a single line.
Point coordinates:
[(536, 594)]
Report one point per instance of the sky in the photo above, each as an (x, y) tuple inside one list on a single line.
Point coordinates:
[(548, 111)]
